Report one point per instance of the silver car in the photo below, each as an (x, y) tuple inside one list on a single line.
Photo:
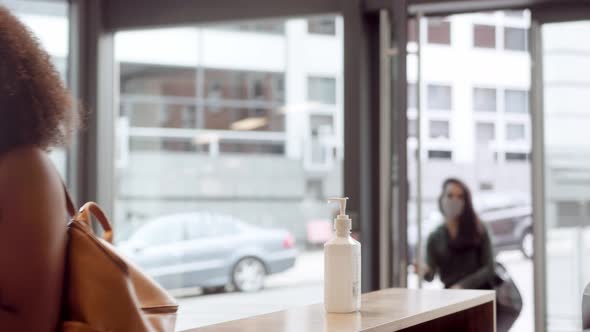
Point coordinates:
[(209, 251)]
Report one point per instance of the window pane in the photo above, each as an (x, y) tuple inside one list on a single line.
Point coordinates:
[(321, 89), (516, 101), (322, 25), (515, 132), (484, 99), (252, 136), (223, 85), (439, 129), (515, 39), (157, 80), (436, 154), (439, 31), (484, 36), (485, 132), (439, 97)]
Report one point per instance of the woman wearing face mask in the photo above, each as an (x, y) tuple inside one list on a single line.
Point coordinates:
[(459, 250)]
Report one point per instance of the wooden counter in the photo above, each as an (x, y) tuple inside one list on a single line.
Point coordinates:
[(383, 311)]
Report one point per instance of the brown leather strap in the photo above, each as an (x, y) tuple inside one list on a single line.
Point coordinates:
[(70, 206), (92, 209)]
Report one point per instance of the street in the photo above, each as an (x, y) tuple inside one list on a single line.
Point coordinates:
[(303, 285)]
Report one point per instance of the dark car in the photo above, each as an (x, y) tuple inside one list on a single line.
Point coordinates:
[(209, 251), (509, 221)]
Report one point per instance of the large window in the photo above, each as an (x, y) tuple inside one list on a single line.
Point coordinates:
[(232, 155)]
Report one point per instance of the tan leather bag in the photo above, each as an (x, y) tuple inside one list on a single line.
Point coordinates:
[(103, 291)]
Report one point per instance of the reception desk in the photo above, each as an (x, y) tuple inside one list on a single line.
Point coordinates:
[(388, 310)]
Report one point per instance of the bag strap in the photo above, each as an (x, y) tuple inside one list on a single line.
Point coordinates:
[(70, 206), (85, 215), (92, 209)]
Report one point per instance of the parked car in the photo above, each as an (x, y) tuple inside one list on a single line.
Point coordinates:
[(210, 251), (509, 221)]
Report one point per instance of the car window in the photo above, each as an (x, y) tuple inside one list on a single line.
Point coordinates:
[(161, 231), (197, 226), (210, 225), (224, 225)]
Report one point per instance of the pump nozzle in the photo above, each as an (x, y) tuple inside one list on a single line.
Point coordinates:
[(342, 202)]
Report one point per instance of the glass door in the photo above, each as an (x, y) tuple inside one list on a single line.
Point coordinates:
[(562, 172)]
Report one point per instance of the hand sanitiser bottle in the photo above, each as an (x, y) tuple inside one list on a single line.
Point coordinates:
[(342, 266)]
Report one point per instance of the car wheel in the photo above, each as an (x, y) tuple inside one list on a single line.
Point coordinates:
[(526, 244), (248, 275)]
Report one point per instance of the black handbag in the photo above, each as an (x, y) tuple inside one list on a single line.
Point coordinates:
[(508, 298)]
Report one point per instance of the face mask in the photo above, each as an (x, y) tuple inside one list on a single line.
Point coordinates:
[(452, 208)]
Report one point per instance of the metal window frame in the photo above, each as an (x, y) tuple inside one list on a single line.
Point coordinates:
[(548, 13), (538, 176), (92, 73)]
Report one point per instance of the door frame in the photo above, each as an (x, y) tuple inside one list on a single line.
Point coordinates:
[(540, 15)]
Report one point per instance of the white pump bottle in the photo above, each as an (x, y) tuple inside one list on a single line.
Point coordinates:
[(342, 266)]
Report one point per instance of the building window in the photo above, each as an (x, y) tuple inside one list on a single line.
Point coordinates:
[(322, 25), (412, 128), (439, 31), (516, 101), (484, 99), (484, 36), (439, 97), (515, 39), (515, 132), (516, 156), (321, 89), (440, 154), (485, 132), (152, 79), (412, 96), (251, 148), (439, 129)]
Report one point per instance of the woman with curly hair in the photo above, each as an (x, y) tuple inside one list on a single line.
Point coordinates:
[(35, 116)]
